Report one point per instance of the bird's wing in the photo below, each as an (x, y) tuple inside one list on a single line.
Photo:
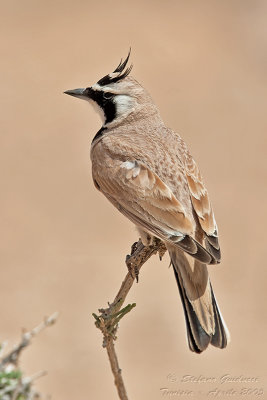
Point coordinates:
[(148, 202), (202, 206)]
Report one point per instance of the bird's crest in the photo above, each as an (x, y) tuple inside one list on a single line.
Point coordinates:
[(118, 74)]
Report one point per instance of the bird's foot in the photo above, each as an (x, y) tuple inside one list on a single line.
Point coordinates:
[(133, 259), (132, 267)]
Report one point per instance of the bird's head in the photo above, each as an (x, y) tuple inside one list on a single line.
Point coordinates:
[(115, 96)]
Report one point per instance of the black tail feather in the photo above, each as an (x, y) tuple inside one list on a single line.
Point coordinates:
[(198, 339), (219, 339)]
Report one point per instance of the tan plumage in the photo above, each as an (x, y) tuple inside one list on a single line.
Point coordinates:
[(147, 172)]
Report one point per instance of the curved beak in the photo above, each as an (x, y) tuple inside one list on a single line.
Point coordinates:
[(76, 92)]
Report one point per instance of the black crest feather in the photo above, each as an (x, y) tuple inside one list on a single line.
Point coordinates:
[(120, 70)]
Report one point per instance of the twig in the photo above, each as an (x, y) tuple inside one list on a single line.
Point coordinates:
[(108, 320), (13, 355), (34, 377)]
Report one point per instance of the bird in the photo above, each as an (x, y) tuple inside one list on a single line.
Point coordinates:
[(146, 171)]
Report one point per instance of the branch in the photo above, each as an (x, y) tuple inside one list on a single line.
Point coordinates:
[(108, 319), (12, 357)]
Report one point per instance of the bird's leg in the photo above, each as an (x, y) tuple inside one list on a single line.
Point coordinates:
[(132, 260), (145, 237), (161, 250), (132, 267), (139, 253), (127, 260), (134, 247), (150, 240)]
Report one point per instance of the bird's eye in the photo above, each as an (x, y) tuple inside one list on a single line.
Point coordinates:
[(108, 96)]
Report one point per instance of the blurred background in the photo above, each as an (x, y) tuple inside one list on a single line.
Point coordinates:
[(63, 245)]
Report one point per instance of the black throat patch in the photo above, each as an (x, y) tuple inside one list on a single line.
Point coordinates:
[(99, 134)]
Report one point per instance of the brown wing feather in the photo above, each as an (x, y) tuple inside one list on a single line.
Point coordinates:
[(135, 187), (202, 206), (148, 202)]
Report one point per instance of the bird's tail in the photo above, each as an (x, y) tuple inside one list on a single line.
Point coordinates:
[(204, 321)]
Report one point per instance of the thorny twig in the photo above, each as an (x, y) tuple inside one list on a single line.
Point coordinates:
[(12, 357), (13, 385)]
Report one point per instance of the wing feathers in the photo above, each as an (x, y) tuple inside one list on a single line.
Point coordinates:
[(216, 253), (199, 196), (213, 240), (155, 197), (141, 195), (196, 187), (195, 249)]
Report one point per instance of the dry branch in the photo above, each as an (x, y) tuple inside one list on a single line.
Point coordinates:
[(108, 319), (13, 385), (13, 356)]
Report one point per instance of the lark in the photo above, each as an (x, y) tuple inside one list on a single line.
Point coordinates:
[(146, 171)]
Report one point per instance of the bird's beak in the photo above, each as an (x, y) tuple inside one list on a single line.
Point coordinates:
[(76, 92)]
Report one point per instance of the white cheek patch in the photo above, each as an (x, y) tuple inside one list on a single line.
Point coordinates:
[(124, 104), (98, 109)]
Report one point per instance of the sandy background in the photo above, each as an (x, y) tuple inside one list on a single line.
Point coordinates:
[(63, 245)]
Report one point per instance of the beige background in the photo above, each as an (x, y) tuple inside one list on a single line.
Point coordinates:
[(63, 245)]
